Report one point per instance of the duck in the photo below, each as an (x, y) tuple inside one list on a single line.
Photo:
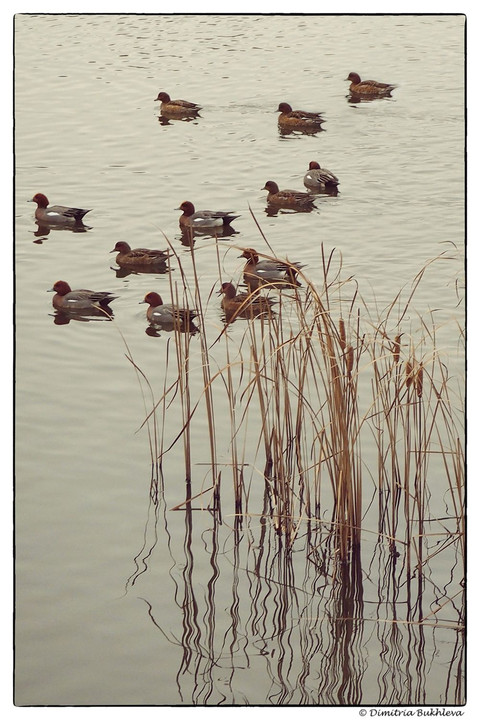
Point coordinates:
[(176, 107), (318, 178), (169, 315), (287, 198), (243, 305), (84, 301), (139, 257), (56, 214), (368, 87), (298, 119), (203, 218), (274, 273)]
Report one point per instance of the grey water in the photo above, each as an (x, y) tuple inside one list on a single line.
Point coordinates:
[(121, 600)]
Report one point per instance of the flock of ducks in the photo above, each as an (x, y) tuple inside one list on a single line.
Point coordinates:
[(257, 273)]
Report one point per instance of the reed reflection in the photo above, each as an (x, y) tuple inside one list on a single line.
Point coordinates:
[(284, 547)]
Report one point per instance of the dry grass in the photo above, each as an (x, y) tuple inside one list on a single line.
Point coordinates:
[(306, 387)]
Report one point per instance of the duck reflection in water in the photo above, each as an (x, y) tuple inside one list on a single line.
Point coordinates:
[(189, 235)]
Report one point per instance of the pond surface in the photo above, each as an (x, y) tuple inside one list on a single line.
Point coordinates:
[(152, 566)]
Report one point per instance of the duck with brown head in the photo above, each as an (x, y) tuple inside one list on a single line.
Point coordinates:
[(139, 258), (298, 119), (320, 179), (289, 199), (176, 107), (369, 88), (46, 214), (269, 272), (201, 219), (81, 301)]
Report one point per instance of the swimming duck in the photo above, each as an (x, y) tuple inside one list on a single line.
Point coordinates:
[(245, 305), (368, 87), (176, 107), (273, 273), (287, 198), (56, 214), (169, 315), (298, 119), (84, 301), (139, 257), (203, 218), (318, 178)]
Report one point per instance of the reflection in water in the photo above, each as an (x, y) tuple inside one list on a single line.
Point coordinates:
[(125, 272), (44, 229), (168, 119), (273, 211), (297, 627), (354, 99), (61, 317), (286, 132), (154, 329), (188, 235)]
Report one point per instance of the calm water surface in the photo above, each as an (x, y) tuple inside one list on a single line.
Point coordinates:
[(121, 600)]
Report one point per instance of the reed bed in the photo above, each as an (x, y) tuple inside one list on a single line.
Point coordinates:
[(299, 392), (309, 439)]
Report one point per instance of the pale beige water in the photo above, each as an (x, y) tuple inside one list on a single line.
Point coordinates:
[(87, 134)]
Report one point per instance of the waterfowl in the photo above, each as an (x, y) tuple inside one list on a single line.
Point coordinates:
[(287, 198), (203, 218), (245, 305), (84, 301), (273, 273), (176, 107), (56, 214), (139, 257), (368, 87), (318, 178), (298, 119), (160, 314)]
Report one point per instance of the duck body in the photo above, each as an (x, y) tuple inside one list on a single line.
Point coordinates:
[(298, 119), (56, 214), (292, 199), (159, 313), (245, 305), (139, 257), (203, 218), (84, 301), (318, 179), (272, 273), (368, 88), (176, 107)]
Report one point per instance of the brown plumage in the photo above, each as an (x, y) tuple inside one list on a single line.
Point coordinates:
[(139, 257), (298, 119), (368, 87), (292, 199), (176, 107)]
